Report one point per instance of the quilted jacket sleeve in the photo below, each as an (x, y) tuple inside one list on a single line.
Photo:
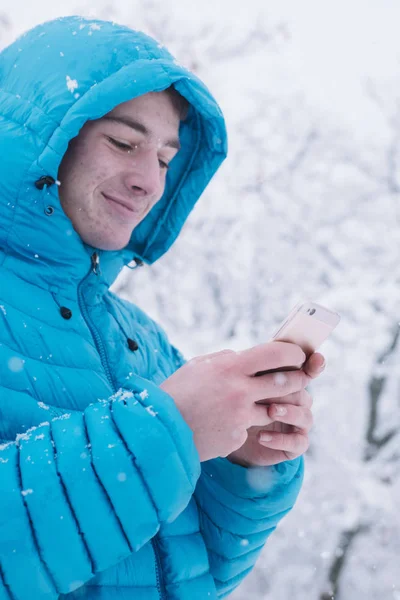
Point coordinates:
[(67, 488), (239, 509)]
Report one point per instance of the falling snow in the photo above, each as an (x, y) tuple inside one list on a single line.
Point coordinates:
[(308, 205), (72, 84)]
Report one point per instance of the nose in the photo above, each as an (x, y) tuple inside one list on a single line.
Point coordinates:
[(144, 177)]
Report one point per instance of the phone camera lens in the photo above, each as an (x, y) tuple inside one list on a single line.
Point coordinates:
[(311, 311)]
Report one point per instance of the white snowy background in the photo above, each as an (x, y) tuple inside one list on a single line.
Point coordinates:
[(306, 206)]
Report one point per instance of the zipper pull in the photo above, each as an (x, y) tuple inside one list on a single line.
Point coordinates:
[(95, 259)]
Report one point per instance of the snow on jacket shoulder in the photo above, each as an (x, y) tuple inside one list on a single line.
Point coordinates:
[(102, 495)]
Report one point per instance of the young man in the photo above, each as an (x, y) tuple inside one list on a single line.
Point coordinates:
[(124, 473)]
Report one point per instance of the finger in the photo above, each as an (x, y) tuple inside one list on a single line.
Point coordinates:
[(298, 416), (292, 444), (300, 398), (272, 355), (314, 365), (277, 385), (258, 416)]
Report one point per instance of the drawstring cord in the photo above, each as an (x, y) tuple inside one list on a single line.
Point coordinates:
[(43, 184), (138, 263)]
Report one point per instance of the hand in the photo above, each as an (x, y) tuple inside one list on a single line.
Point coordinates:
[(217, 393), (288, 431)]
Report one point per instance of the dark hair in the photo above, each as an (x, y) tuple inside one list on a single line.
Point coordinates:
[(179, 102)]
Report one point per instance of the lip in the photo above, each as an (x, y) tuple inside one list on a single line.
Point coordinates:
[(121, 203), (123, 210)]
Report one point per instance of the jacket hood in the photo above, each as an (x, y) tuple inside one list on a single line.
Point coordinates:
[(53, 79)]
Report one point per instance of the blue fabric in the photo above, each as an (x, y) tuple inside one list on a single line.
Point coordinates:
[(101, 491)]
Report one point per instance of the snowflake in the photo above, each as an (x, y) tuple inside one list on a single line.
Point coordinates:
[(72, 84), (151, 411)]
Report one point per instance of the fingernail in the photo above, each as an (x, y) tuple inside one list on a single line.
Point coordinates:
[(322, 367), (265, 437), (280, 410), (280, 378)]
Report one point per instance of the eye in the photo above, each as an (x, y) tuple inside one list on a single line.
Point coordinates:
[(163, 164), (120, 145)]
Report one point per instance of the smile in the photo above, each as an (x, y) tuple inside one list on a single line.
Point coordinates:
[(121, 207)]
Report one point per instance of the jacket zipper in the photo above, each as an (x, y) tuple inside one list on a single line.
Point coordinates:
[(95, 261), (159, 577), (96, 337)]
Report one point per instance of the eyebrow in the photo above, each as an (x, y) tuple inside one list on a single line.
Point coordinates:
[(139, 127)]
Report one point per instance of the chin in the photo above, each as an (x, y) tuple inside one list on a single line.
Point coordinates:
[(112, 246), (101, 243)]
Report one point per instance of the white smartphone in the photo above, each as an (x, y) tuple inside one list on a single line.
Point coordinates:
[(307, 325)]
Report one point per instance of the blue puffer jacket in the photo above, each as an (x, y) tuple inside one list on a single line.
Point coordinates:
[(102, 495)]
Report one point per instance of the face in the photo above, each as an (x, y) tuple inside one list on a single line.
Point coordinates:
[(114, 171)]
